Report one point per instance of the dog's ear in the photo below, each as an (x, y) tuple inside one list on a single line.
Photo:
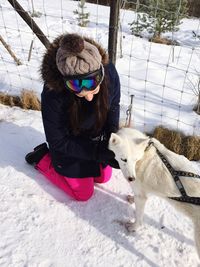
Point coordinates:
[(115, 139)]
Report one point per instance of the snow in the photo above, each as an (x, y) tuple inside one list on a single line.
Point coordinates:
[(40, 226)]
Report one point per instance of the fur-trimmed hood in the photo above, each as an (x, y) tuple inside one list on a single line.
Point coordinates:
[(49, 71)]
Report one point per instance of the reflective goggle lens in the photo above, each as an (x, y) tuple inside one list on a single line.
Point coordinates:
[(86, 83), (77, 85), (89, 83)]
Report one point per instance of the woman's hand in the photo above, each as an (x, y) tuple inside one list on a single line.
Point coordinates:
[(104, 155)]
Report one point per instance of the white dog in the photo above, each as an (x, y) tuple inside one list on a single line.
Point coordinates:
[(139, 160)]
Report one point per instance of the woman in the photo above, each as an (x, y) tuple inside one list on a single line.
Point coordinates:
[(80, 109)]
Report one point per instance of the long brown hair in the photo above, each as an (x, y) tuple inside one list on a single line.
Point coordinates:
[(100, 101)]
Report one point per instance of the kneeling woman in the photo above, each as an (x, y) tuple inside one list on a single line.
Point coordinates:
[(80, 109)]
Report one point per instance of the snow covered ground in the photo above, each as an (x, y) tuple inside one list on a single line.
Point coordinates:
[(42, 227)]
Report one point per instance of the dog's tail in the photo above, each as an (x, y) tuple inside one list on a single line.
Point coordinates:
[(197, 234)]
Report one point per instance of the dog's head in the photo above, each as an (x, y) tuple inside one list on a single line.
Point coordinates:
[(129, 146)]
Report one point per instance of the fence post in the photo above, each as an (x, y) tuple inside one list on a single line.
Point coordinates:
[(10, 51), (113, 29), (31, 23)]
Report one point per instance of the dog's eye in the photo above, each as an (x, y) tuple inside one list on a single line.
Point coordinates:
[(124, 160)]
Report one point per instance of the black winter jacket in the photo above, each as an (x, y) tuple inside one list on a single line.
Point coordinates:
[(73, 156)]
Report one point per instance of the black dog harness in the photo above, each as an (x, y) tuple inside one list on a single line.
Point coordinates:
[(175, 174)]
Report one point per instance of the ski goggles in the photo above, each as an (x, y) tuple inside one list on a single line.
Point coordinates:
[(88, 82)]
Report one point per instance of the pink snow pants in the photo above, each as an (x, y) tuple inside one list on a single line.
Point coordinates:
[(80, 189)]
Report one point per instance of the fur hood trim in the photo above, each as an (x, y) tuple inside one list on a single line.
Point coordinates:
[(49, 71)]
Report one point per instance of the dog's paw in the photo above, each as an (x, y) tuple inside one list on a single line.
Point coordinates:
[(131, 227), (130, 199)]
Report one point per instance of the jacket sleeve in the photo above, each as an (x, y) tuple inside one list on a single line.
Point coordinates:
[(112, 124), (57, 135)]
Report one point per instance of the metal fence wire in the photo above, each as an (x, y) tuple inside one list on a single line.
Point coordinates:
[(159, 72), (162, 71)]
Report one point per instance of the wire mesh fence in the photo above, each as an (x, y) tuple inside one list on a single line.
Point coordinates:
[(54, 18), (163, 65), (161, 72)]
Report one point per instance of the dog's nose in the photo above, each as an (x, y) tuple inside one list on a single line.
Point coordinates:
[(131, 179)]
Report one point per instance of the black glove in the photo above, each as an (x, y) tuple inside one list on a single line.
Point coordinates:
[(103, 153), (113, 163), (106, 156)]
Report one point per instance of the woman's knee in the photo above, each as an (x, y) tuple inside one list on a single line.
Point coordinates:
[(84, 195), (82, 188), (105, 176)]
